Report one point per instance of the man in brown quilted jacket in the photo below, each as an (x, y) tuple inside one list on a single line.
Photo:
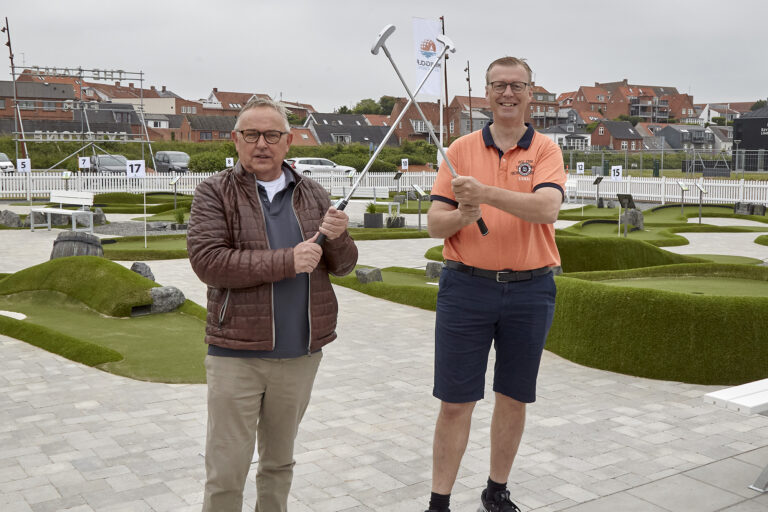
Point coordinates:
[(271, 306)]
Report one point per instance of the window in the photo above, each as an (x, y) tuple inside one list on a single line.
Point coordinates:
[(419, 126), (451, 126), (358, 123), (188, 110), (224, 135), (623, 144), (49, 106), (305, 136), (341, 138), (206, 136), (601, 130), (340, 122), (633, 145), (2, 104), (26, 105)]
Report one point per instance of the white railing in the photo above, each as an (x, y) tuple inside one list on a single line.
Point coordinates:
[(654, 190)]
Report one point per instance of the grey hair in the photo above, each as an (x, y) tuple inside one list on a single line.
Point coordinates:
[(509, 61), (257, 101)]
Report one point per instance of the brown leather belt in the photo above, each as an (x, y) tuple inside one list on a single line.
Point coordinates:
[(500, 276)]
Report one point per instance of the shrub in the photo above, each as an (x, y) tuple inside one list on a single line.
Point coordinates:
[(212, 161)]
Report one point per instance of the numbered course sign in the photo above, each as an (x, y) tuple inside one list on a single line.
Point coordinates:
[(23, 165), (579, 167), (230, 162), (615, 173), (135, 168), (83, 162), (404, 164)]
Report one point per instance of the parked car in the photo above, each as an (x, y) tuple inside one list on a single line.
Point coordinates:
[(306, 165), (171, 161), (108, 164), (5, 163)]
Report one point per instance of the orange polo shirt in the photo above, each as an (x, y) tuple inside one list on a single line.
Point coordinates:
[(512, 243)]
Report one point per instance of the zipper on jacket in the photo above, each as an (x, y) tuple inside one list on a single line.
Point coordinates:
[(309, 275), (266, 239), (223, 310)]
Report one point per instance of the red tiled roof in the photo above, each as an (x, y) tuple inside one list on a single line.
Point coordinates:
[(235, 100), (589, 116), (118, 90), (477, 102), (566, 96), (379, 119), (303, 137), (591, 93)]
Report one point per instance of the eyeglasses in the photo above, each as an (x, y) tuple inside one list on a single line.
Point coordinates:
[(253, 136), (501, 87)]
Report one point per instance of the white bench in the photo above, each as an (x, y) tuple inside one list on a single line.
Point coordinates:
[(362, 192), (82, 199), (750, 398)]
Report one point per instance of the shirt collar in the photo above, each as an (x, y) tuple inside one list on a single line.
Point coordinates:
[(523, 143)]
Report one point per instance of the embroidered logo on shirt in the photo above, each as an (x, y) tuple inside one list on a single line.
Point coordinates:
[(525, 168)]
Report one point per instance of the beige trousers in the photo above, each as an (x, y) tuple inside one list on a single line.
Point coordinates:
[(250, 399)]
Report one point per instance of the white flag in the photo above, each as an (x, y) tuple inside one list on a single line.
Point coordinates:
[(427, 48)]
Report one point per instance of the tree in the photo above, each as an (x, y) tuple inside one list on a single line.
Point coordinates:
[(295, 120), (758, 104), (343, 110), (632, 119), (367, 106), (591, 126), (387, 103)]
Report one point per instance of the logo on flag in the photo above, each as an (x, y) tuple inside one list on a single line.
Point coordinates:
[(428, 48)]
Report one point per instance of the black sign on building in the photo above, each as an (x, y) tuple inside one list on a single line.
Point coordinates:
[(751, 132)]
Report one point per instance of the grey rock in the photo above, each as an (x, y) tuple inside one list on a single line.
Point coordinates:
[(758, 209), (99, 219), (742, 208), (368, 275), (76, 243), (600, 202), (143, 270), (398, 199), (166, 299), (634, 218), (38, 217), (10, 219), (157, 226), (434, 268), (395, 222), (610, 204)]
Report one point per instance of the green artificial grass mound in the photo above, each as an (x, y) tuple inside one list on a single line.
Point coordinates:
[(662, 335), (680, 270), (582, 254), (762, 240), (102, 285)]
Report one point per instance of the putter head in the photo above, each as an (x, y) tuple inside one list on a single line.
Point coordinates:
[(382, 38), (442, 38)]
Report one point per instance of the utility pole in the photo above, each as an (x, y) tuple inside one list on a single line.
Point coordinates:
[(6, 29), (445, 73), (469, 87)]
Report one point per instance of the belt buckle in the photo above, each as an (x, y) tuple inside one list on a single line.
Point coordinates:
[(499, 274)]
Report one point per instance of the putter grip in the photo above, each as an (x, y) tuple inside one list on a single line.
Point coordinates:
[(340, 205), (482, 226)]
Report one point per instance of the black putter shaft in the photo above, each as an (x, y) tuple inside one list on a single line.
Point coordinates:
[(446, 42), (342, 203)]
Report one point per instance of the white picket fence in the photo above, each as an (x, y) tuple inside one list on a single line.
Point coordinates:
[(655, 190)]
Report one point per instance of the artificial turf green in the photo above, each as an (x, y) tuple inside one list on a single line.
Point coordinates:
[(101, 284), (386, 233), (762, 240), (160, 247), (404, 286), (698, 285)]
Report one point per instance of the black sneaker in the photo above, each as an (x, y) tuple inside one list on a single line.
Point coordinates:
[(499, 502)]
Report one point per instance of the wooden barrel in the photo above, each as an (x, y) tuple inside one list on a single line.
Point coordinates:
[(76, 243)]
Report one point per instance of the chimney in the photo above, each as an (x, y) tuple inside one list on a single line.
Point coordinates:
[(215, 89), (117, 84), (130, 85), (163, 88), (152, 87)]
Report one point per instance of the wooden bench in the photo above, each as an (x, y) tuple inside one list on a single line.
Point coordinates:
[(66, 197), (362, 192), (750, 398)]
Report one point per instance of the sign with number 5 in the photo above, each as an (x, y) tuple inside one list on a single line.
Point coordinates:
[(23, 164), (135, 168)]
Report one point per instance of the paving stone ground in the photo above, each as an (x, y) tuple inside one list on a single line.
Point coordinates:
[(74, 438)]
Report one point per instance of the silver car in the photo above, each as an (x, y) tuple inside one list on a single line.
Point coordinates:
[(308, 165), (109, 164), (171, 161)]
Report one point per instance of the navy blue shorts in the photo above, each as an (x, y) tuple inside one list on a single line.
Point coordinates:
[(473, 311)]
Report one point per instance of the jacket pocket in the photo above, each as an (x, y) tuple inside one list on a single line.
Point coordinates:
[(223, 309)]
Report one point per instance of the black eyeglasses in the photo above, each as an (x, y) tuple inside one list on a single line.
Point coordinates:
[(501, 87), (270, 136)]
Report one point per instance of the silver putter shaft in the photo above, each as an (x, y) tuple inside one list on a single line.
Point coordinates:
[(446, 42), (342, 203)]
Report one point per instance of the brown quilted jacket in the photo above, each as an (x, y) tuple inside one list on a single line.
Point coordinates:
[(229, 251)]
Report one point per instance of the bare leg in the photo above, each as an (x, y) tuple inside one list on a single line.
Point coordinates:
[(451, 436), (506, 431)]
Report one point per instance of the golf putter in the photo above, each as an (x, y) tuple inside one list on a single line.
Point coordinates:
[(342, 203), (447, 43)]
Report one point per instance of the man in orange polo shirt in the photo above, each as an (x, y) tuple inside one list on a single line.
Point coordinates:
[(497, 288)]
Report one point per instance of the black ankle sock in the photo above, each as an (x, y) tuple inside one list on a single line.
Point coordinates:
[(493, 487), (439, 502)]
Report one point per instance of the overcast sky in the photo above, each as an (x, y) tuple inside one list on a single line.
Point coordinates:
[(318, 51)]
